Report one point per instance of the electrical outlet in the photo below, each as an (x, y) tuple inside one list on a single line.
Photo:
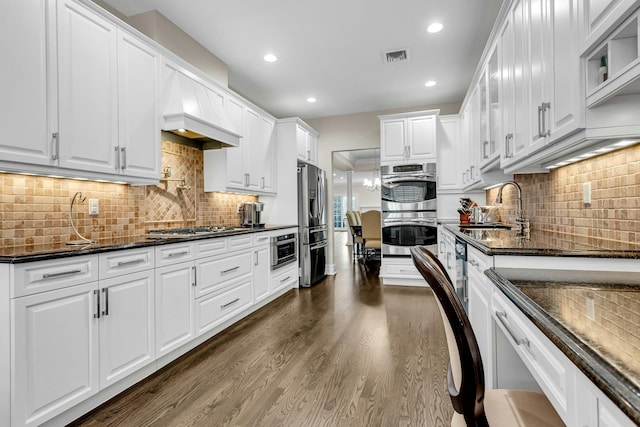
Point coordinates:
[(586, 193), (94, 208)]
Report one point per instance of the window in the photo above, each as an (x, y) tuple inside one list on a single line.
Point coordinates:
[(340, 210)]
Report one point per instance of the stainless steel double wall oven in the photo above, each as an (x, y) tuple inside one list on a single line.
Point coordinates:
[(408, 208)]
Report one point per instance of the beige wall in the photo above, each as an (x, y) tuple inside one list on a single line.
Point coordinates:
[(157, 27)]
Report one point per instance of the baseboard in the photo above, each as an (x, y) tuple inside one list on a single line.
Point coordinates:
[(330, 269)]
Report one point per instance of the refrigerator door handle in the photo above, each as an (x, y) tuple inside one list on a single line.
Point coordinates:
[(318, 246)]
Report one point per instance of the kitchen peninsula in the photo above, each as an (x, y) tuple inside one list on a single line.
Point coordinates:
[(561, 307)]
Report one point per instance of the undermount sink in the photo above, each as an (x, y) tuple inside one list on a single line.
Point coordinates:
[(487, 225)]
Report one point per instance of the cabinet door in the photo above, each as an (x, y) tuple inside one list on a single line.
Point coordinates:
[(566, 113), (301, 143), (24, 85), (392, 140), (138, 91), (539, 74), (235, 158), (252, 151), (55, 356), (449, 177), (261, 267), (87, 83), (127, 329), (174, 306), (490, 149), (312, 149), (267, 159), (422, 138), (479, 292)]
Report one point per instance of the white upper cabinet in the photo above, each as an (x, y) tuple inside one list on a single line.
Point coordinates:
[(248, 168), (24, 86), (88, 95), (600, 16), (449, 148), (307, 145), (85, 89), (408, 137), (138, 94)]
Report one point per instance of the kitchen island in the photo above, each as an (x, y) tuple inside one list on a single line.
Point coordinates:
[(562, 307)]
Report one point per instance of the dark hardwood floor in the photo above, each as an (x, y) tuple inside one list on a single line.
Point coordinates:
[(347, 352)]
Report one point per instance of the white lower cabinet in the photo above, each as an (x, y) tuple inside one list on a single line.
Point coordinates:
[(594, 409), (261, 267), (174, 306), (284, 277), (127, 326), (479, 290), (54, 352)]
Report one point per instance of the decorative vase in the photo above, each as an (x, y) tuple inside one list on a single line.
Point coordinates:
[(464, 218)]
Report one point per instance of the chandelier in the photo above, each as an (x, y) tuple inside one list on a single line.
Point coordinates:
[(375, 183)]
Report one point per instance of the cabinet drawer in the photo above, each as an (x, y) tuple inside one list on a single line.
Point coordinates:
[(213, 274), (242, 241), (33, 277), (287, 277), (173, 254), (215, 309), (114, 264), (211, 247), (260, 239), (407, 270), (478, 260), (551, 369)]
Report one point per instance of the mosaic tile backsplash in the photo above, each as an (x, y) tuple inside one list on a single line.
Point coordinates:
[(35, 210), (553, 201)]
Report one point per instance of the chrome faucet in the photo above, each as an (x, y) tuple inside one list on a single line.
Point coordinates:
[(522, 224)]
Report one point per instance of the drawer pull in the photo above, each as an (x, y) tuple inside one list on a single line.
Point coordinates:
[(62, 273), (134, 261), (230, 303), (195, 276), (230, 270), (285, 279), (502, 317), (175, 254)]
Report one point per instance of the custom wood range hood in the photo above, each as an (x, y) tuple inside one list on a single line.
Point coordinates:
[(193, 111)]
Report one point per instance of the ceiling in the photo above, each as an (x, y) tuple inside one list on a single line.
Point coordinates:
[(333, 50)]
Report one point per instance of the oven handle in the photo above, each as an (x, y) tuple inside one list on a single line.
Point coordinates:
[(281, 242), (390, 222), (394, 178)]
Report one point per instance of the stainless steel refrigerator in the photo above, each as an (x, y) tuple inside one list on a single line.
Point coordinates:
[(312, 205)]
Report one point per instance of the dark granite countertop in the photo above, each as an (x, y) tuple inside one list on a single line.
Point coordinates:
[(544, 243), (589, 323), (18, 254)]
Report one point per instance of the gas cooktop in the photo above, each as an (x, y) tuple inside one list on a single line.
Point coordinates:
[(185, 232)]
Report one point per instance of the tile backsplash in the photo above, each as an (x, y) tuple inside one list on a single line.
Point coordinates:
[(35, 210), (553, 201)]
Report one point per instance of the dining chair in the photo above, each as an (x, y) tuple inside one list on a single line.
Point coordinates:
[(355, 226), (472, 404), (371, 234)]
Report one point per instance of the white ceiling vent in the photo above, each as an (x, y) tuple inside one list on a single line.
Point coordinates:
[(396, 56)]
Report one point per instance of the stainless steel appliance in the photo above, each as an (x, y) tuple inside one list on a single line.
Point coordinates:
[(312, 202), (284, 250), (250, 214), (408, 208)]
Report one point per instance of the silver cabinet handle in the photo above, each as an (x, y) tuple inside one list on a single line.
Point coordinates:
[(540, 121), (123, 152), (105, 291), (285, 279), (229, 303), (485, 149), (175, 254), (62, 273), (246, 180), (96, 315), (308, 154), (195, 276), (229, 270), (257, 260), (448, 259), (262, 182), (117, 158), (507, 145), (55, 146), (471, 174), (502, 317), (545, 107), (134, 261)]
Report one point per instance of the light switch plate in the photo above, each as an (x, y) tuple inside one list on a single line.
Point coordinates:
[(94, 208), (586, 193)]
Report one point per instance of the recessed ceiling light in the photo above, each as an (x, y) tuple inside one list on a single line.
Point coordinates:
[(435, 27), (180, 130), (430, 83), (270, 57), (311, 99)]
